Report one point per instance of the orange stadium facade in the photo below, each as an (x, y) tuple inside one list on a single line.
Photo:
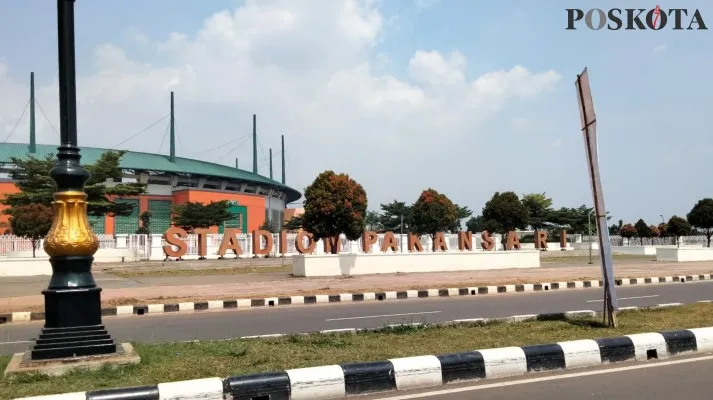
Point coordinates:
[(170, 181)]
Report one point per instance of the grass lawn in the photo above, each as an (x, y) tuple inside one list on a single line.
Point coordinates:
[(181, 361)]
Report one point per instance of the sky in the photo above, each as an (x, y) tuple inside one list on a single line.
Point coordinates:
[(464, 97)]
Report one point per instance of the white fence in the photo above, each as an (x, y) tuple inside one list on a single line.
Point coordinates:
[(11, 244)]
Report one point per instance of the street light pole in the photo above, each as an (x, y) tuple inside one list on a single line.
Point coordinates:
[(401, 236), (589, 226), (73, 324)]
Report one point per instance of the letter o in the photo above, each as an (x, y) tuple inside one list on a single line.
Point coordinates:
[(650, 16), (602, 18), (299, 242)]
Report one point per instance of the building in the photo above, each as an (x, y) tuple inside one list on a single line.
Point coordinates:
[(171, 181)]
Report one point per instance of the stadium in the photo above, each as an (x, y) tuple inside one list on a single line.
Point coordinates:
[(170, 181)]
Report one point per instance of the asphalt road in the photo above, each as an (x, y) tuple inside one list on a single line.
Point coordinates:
[(211, 325), (678, 378)]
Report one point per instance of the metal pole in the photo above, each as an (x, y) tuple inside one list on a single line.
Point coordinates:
[(589, 225), (72, 298), (402, 233)]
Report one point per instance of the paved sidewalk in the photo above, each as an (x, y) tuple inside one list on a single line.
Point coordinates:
[(16, 292)]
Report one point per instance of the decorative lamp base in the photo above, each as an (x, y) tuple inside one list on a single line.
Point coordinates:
[(79, 341), (73, 320)]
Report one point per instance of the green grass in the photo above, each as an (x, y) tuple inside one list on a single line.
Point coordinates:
[(180, 361)]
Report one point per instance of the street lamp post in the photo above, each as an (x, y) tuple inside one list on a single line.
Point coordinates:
[(589, 226), (73, 321)]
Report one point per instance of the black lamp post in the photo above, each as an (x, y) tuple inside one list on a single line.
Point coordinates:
[(73, 320)]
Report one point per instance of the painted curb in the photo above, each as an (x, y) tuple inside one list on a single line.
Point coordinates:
[(396, 374), (241, 304)]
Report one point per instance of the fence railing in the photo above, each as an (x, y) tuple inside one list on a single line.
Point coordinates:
[(11, 244)]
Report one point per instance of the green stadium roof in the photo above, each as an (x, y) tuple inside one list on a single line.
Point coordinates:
[(153, 162)]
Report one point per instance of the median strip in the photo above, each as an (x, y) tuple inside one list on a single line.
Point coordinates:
[(398, 358), (267, 302)]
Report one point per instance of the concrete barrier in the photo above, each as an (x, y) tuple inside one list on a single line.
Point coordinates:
[(390, 263), (684, 254)]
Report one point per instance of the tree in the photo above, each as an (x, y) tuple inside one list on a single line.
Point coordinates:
[(577, 220), (432, 213), (270, 226), (193, 214), (31, 176), (334, 204), (678, 227), (616, 229), (32, 221), (145, 219), (663, 230), (642, 230), (539, 208), (475, 224), (373, 221), (627, 231), (393, 214), (505, 212), (479, 224), (461, 214), (293, 224), (654, 230), (701, 216)]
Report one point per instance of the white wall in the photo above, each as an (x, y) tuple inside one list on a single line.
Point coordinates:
[(390, 263), (684, 254)]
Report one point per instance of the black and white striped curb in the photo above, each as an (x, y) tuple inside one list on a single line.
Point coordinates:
[(339, 381), (26, 316)]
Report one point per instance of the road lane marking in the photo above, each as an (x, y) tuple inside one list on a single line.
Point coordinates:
[(627, 298), (383, 315), (546, 378), (16, 342)]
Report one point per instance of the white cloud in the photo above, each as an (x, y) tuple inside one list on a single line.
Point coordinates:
[(660, 48), (303, 67)]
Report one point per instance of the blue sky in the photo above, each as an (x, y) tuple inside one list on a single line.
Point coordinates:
[(650, 91)]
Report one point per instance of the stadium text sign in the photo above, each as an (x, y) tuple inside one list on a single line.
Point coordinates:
[(636, 19), (305, 244)]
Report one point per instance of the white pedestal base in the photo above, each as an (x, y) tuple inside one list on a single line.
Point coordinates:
[(391, 263)]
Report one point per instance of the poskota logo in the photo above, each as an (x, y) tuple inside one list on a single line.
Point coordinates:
[(635, 19)]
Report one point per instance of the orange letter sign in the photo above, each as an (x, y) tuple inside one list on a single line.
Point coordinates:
[(202, 241), (488, 243), (439, 242), (513, 241), (257, 242), (332, 245), (541, 240), (299, 242), (230, 242), (174, 237), (465, 241), (389, 242), (414, 243), (368, 238)]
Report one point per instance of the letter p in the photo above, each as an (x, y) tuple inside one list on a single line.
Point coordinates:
[(573, 15)]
